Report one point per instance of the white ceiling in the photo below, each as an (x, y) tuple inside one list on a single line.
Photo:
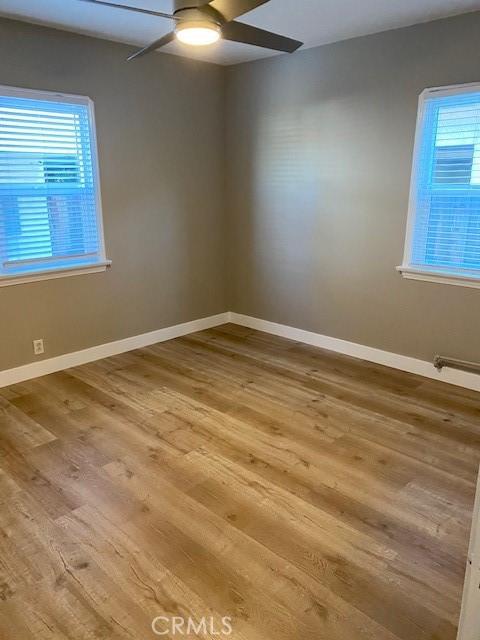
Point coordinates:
[(314, 22)]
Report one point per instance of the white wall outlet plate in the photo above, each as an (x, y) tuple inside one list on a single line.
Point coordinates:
[(38, 347)]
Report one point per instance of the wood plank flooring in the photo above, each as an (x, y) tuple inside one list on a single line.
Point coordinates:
[(229, 473)]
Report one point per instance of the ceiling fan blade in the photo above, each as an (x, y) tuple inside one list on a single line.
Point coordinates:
[(231, 9), (239, 32), (153, 47), (149, 12)]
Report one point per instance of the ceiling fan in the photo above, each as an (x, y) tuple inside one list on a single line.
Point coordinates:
[(202, 22)]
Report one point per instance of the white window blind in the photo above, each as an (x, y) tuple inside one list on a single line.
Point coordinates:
[(50, 218), (443, 236)]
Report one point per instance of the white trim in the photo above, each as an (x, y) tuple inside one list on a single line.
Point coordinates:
[(469, 627), (96, 178), (66, 98), (42, 94), (371, 354), (59, 363), (49, 274), (452, 89), (460, 280), (407, 270), (412, 199)]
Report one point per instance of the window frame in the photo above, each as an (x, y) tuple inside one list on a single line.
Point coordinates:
[(101, 263), (426, 272)]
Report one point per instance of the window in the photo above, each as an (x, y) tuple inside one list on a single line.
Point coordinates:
[(50, 210), (443, 231)]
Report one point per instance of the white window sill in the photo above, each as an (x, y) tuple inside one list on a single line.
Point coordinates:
[(49, 274), (458, 279)]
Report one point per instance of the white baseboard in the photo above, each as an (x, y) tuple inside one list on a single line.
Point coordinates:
[(378, 356), (371, 354), (59, 363)]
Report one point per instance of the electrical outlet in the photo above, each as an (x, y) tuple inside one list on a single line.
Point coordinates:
[(38, 347)]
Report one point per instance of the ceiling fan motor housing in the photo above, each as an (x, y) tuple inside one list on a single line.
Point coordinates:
[(178, 5), (185, 11)]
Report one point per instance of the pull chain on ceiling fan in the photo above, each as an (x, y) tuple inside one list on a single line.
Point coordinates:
[(202, 22)]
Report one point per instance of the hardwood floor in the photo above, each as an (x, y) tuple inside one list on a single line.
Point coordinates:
[(230, 473)]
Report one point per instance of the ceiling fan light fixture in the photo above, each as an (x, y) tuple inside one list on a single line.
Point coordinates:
[(197, 33)]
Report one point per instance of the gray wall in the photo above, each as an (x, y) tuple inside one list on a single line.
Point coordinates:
[(319, 147), (160, 136), (318, 155)]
